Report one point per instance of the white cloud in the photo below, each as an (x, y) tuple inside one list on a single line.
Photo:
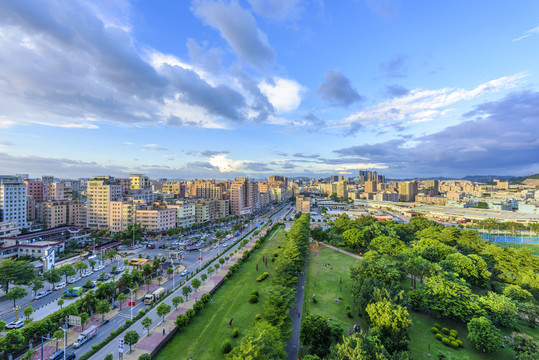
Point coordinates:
[(283, 94), (527, 34), (426, 105), (225, 164)]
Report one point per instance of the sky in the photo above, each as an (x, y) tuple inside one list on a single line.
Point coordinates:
[(226, 88)]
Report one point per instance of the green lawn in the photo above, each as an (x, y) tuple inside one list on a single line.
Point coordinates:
[(203, 338), (421, 337), (328, 283), (534, 247)]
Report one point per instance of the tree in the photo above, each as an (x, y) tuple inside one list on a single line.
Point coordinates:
[(499, 308), (176, 301), (148, 282), (15, 272), (353, 238), (60, 302), (146, 323), (37, 284), (391, 323), (12, 341), (483, 335), (387, 245), (517, 293), (84, 318), (16, 293), (262, 342), (80, 265), (163, 309), (106, 291), (52, 276), (145, 356), (28, 311), (170, 271), (2, 325), (159, 279), (361, 346), (147, 270), (279, 299), (67, 270), (102, 308), (451, 298), (109, 357), (121, 298), (135, 289), (203, 277), (196, 284), (131, 338), (58, 334), (186, 290), (92, 263), (29, 355), (316, 333)]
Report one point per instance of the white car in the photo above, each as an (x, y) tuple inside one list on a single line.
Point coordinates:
[(73, 280), (121, 268), (42, 294), (99, 267), (15, 325), (87, 273)]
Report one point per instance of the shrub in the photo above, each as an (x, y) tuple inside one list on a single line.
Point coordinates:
[(254, 292), (436, 325), (454, 333), (314, 300), (454, 344), (262, 277), (446, 341), (253, 299), (227, 347), (258, 316), (349, 313), (445, 330), (451, 338), (113, 332), (434, 330), (439, 336), (235, 332), (347, 307), (460, 343)]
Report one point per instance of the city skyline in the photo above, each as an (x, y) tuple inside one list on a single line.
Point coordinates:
[(220, 89)]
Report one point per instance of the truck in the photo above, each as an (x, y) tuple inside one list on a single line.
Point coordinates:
[(73, 291), (150, 298), (85, 336)]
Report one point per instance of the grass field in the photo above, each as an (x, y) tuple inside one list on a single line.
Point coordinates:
[(534, 247), (203, 338), (421, 337), (328, 283)]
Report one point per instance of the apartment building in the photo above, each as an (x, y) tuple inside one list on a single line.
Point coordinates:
[(408, 191), (202, 212), (243, 195), (174, 187), (100, 192), (13, 203), (57, 191), (207, 189), (185, 214), (156, 220), (139, 181), (371, 186), (34, 189), (303, 204)]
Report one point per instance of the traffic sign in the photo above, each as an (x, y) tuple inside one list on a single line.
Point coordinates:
[(121, 346), (74, 320)]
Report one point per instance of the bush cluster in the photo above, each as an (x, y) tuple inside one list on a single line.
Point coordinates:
[(452, 340), (227, 347), (434, 330), (262, 277), (253, 299)]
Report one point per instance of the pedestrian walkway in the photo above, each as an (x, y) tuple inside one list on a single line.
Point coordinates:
[(340, 250), (292, 347)]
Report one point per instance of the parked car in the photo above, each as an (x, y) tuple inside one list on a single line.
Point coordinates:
[(104, 277), (42, 294), (185, 272), (99, 267), (87, 273), (15, 325), (73, 280), (60, 286)]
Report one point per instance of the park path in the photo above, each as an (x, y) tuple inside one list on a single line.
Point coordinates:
[(341, 250), (295, 314)]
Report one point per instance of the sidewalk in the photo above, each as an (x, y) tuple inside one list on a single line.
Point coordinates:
[(341, 250), (292, 347)]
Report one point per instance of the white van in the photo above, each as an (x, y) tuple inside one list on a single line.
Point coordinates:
[(60, 286)]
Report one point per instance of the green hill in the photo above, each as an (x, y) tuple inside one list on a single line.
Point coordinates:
[(520, 180)]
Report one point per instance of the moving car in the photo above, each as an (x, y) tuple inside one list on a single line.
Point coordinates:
[(73, 280), (185, 272), (42, 294), (15, 325)]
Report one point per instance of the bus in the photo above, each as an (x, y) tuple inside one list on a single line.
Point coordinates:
[(138, 262)]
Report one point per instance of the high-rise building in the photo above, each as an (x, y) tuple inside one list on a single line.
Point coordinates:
[(122, 213), (335, 178), (243, 194), (303, 204), (371, 186), (13, 203), (57, 191), (207, 189), (342, 189), (431, 186), (100, 192), (139, 181), (34, 189), (407, 191)]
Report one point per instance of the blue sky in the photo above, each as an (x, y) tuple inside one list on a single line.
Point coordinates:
[(219, 89)]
